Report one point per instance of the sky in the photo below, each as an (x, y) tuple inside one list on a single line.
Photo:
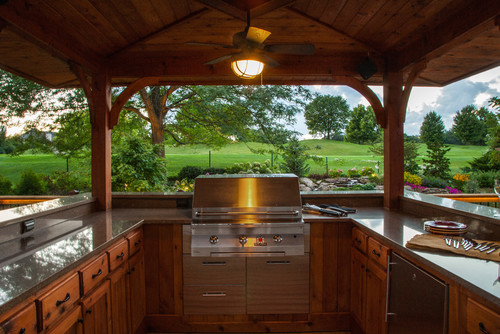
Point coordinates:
[(446, 101)]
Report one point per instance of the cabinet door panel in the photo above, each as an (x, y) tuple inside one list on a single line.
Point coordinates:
[(376, 286), (358, 286), (97, 310), (72, 323), (209, 270), (481, 319), (137, 291), (119, 287), (214, 299), (22, 322), (278, 285)]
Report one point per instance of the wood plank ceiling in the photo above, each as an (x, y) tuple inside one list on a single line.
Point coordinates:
[(40, 40)]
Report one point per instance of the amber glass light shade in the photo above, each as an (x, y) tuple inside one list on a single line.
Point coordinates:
[(247, 68)]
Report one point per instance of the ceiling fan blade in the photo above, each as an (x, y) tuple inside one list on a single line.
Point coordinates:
[(257, 35), (291, 49), (217, 60), (268, 61), (211, 44)]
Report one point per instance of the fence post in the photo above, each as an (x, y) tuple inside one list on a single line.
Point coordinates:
[(272, 159), (326, 158), (209, 159), (67, 164)]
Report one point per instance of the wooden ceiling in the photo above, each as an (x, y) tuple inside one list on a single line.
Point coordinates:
[(40, 40)]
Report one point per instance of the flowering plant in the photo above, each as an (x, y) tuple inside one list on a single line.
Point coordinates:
[(416, 187)]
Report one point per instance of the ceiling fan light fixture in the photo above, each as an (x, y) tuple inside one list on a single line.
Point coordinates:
[(247, 68)]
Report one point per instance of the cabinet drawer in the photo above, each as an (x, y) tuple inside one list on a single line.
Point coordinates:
[(118, 254), (480, 319), (377, 252), (58, 300), (209, 270), (135, 241), (94, 273), (22, 322), (359, 239), (214, 299)]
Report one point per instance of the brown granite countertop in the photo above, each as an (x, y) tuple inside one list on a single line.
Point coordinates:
[(38, 264)]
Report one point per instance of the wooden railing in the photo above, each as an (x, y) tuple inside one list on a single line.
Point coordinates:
[(7, 202), (482, 199)]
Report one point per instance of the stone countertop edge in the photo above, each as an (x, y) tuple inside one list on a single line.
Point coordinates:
[(33, 290)]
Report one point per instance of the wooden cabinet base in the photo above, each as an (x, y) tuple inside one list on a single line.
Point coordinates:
[(322, 322)]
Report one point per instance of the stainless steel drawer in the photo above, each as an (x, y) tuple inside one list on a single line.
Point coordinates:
[(211, 270), (214, 299)]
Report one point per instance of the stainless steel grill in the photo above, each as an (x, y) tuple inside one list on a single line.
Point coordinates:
[(247, 215)]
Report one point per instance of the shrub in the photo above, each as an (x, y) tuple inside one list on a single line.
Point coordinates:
[(5, 186), (486, 179), (190, 172), (353, 172), (365, 171), (253, 168), (214, 171), (412, 179), (182, 185), (30, 184), (294, 159), (459, 180), (63, 183), (335, 173), (377, 179), (471, 187), (434, 182), (318, 177), (367, 186)]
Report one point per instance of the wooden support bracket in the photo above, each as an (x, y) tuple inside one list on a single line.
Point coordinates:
[(86, 86), (131, 89), (364, 90), (412, 77)]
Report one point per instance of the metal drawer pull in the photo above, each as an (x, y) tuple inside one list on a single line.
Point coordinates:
[(214, 294), (137, 243), (482, 328), (98, 274), (22, 330), (214, 263), (59, 302), (278, 262), (375, 253), (120, 256)]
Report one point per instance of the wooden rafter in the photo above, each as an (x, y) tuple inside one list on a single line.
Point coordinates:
[(126, 95), (226, 8), (268, 7), (364, 90), (478, 16)]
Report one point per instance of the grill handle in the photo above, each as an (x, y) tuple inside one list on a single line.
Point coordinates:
[(243, 213)]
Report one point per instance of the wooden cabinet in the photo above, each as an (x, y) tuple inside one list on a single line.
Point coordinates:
[(118, 254), (97, 310), (23, 321), (135, 241), (72, 323), (120, 306), (480, 319), (368, 283), (94, 273), (137, 291)]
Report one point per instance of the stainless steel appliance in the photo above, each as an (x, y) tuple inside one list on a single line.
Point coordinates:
[(247, 215), (418, 302)]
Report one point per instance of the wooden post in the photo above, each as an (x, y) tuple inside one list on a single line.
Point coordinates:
[(393, 140), (101, 140)]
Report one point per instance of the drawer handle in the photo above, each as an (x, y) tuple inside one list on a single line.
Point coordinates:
[(22, 331), (214, 294), (278, 262), (120, 257), (214, 263), (482, 328), (59, 302), (375, 253), (137, 243), (98, 274), (357, 241)]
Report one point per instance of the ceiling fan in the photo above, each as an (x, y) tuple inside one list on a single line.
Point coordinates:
[(250, 43)]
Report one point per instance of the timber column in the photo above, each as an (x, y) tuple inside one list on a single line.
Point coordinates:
[(393, 140), (101, 140)]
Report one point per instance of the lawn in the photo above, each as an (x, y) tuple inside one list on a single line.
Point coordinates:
[(340, 155)]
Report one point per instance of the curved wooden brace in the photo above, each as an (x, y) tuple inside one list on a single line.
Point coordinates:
[(123, 98), (415, 72), (364, 90), (86, 86)]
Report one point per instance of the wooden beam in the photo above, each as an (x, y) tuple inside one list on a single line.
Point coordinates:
[(226, 8), (393, 140), (164, 29), (349, 37), (410, 81), (87, 88), (101, 141), (268, 6), (364, 90), (44, 34), (126, 95), (475, 18)]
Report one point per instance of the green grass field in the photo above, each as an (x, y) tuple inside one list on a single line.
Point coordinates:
[(340, 155)]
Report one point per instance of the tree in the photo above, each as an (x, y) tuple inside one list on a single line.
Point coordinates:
[(362, 127), (432, 128), (468, 127), (432, 134), (490, 160), (215, 115), (410, 157), (294, 158), (327, 115)]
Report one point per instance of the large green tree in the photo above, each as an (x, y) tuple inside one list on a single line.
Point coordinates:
[(432, 133), (327, 115), (468, 127), (490, 160), (362, 127)]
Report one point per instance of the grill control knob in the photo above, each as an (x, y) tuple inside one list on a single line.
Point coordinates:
[(243, 240), (277, 238), (214, 239)]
